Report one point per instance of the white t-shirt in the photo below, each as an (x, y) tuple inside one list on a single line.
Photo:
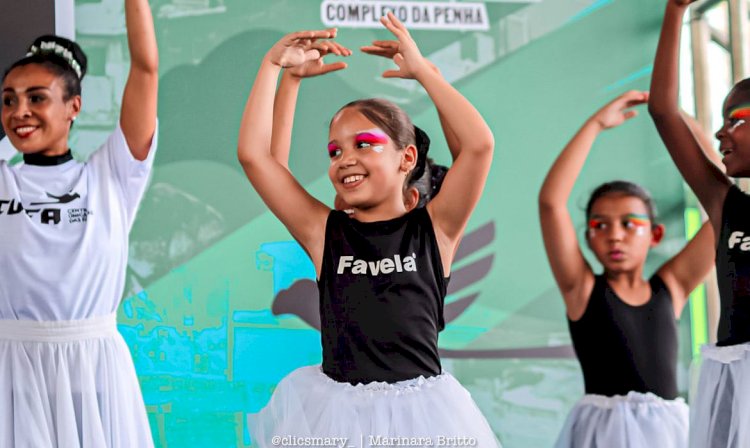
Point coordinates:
[(7, 151), (64, 233)]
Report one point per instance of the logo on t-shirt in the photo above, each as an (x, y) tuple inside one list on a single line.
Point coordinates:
[(373, 268), (739, 238), (47, 215)]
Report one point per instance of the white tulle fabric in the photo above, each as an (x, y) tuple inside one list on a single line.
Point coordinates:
[(310, 409), (69, 384), (720, 408), (636, 420)]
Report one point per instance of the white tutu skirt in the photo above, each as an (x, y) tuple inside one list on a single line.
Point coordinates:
[(720, 412), (636, 420), (69, 384), (310, 409)]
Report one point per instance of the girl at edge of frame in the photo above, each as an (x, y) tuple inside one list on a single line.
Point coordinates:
[(66, 375), (622, 326), (377, 381), (720, 411)]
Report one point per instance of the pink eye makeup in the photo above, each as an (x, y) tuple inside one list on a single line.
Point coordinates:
[(333, 150), (373, 138)]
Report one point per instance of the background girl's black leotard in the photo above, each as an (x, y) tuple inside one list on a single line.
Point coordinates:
[(733, 269), (624, 348)]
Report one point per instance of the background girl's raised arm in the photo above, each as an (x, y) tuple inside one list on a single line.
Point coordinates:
[(138, 114), (708, 182)]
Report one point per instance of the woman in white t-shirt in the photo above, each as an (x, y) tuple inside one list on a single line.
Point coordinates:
[(66, 376)]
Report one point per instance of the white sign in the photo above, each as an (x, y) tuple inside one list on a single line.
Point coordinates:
[(415, 15)]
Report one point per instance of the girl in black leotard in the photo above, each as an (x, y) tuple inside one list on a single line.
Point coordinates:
[(382, 274), (622, 325)]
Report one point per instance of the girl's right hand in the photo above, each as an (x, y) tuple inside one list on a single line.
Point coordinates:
[(297, 48), (618, 111), (317, 67)]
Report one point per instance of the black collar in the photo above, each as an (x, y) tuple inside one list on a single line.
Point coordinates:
[(42, 160)]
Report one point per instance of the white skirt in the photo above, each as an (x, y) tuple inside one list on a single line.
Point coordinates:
[(310, 409), (69, 384), (720, 413), (636, 420)]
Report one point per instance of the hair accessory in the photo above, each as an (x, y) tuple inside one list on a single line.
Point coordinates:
[(46, 47)]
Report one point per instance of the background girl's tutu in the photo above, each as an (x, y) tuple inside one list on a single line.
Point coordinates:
[(636, 420)]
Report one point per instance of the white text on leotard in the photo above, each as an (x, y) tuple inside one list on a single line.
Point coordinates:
[(739, 238), (373, 268)]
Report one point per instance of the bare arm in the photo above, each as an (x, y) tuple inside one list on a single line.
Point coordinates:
[(303, 215), (463, 185), (572, 273), (389, 49), (285, 102), (138, 114), (284, 106), (708, 182), (689, 268)]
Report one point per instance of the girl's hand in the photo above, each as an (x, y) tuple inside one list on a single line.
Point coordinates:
[(411, 63), (388, 49), (317, 67), (297, 48), (618, 111)]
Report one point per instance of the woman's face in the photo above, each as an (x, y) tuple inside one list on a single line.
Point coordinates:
[(35, 115), (366, 167)]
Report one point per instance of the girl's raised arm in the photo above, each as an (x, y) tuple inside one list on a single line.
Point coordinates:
[(708, 182), (304, 216), (463, 185), (572, 273)]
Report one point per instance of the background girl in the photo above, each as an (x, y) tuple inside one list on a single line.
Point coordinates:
[(622, 325)]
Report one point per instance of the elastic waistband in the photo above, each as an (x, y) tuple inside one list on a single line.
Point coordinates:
[(58, 331), (725, 354), (639, 398)]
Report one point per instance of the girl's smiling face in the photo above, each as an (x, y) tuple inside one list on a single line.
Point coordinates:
[(366, 167)]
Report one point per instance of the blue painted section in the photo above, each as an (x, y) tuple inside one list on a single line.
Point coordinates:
[(632, 77), (288, 262)]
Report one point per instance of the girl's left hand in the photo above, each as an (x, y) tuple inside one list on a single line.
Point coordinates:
[(389, 49), (411, 63)]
